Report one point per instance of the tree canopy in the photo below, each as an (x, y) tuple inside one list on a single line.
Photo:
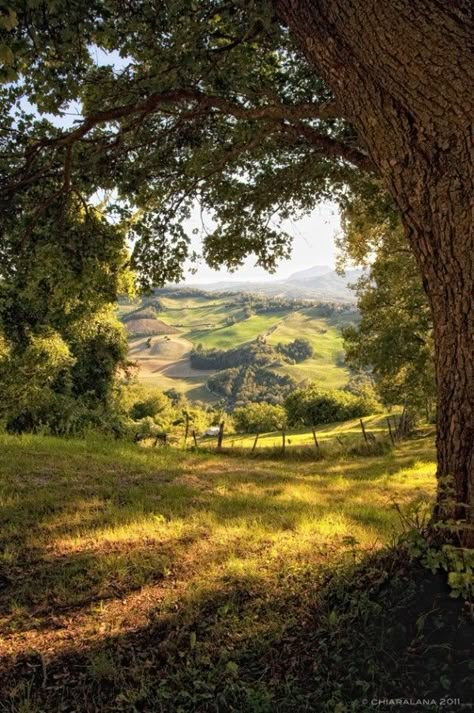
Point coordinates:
[(184, 103)]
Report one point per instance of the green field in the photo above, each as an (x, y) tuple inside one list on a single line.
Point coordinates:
[(202, 320), (164, 581)]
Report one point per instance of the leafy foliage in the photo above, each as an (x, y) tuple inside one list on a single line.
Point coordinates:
[(208, 102), (259, 418), (247, 383), (56, 299), (311, 406), (297, 350), (394, 337), (258, 353)]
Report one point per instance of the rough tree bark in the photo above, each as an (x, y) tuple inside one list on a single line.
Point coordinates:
[(403, 73)]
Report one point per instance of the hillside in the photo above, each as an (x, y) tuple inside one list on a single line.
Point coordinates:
[(184, 319)]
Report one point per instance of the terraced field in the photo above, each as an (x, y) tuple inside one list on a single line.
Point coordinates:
[(221, 322)]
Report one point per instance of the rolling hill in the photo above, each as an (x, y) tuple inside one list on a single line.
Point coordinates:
[(184, 319)]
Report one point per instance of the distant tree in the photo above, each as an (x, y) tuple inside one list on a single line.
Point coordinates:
[(256, 353), (296, 351)]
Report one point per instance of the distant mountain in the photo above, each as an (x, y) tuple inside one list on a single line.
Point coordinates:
[(315, 271), (319, 282)]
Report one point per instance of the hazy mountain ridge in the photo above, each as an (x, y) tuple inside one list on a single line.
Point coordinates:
[(319, 282)]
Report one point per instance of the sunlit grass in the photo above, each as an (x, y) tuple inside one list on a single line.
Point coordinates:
[(347, 431), (99, 519), (104, 539), (242, 331)]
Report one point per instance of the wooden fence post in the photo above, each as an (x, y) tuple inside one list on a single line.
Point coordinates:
[(316, 443), (186, 428), (195, 439), (255, 442), (220, 435), (283, 440), (390, 431), (364, 432)]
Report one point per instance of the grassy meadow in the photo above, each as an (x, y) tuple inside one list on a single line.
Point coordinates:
[(164, 580)]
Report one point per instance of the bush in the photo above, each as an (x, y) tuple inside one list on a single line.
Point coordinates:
[(311, 406), (363, 387), (297, 351), (150, 405), (259, 418)]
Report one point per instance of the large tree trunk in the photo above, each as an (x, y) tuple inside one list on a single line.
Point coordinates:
[(403, 74)]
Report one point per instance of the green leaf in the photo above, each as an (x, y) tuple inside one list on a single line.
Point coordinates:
[(232, 668), (6, 55), (9, 21)]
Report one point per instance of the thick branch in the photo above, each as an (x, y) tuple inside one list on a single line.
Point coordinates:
[(328, 146), (325, 110)]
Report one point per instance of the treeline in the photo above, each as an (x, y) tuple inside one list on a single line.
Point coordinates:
[(255, 303), (257, 353), (240, 385)]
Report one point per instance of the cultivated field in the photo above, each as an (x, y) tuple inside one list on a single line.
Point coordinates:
[(164, 362)]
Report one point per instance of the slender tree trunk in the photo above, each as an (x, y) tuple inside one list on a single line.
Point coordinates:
[(403, 74)]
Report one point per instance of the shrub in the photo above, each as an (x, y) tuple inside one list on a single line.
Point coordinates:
[(311, 406), (297, 350), (259, 418)]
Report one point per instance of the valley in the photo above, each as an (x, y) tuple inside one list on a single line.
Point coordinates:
[(164, 329)]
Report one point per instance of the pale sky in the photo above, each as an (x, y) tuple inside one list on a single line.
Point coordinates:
[(313, 244)]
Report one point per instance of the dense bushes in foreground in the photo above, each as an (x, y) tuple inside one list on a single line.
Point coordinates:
[(259, 418)]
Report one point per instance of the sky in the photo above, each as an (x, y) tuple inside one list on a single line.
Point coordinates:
[(313, 244)]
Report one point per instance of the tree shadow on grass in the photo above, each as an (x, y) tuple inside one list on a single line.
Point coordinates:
[(162, 520), (319, 640)]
